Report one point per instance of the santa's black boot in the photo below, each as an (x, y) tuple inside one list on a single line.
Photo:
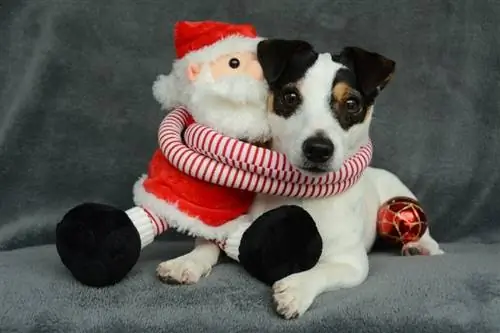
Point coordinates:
[(99, 244), (278, 243)]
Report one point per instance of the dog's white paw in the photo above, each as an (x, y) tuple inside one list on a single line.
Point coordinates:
[(181, 271), (420, 249), (292, 297)]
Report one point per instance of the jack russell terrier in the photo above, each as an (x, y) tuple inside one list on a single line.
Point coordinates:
[(320, 109)]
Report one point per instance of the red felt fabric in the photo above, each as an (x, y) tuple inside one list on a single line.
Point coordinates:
[(191, 36), (212, 204)]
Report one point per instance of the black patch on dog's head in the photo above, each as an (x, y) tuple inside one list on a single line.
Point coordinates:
[(372, 70), (355, 88), (284, 63)]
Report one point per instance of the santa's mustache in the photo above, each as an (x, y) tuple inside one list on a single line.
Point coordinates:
[(239, 89)]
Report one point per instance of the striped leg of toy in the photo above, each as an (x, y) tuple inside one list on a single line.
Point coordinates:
[(148, 224)]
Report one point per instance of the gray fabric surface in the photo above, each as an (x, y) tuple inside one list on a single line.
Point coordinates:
[(78, 123)]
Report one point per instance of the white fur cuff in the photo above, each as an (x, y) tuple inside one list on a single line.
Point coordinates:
[(232, 244), (143, 224)]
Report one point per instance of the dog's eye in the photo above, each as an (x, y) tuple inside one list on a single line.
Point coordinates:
[(352, 105), (234, 63), (291, 98)]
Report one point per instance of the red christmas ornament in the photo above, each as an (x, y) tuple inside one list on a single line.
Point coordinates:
[(401, 220)]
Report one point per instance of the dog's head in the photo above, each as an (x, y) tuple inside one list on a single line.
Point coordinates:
[(320, 103)]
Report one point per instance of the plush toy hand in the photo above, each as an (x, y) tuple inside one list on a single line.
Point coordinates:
[(278, 243)]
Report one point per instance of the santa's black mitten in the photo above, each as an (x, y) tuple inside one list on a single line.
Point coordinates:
[(98, 243), (278, 243)]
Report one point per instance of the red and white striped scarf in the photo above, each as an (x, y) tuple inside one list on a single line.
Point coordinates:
[(205, 154)]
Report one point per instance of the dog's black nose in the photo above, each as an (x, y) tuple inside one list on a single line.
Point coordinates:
[(318, 149)]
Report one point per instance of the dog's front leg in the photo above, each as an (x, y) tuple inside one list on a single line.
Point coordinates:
[(294, 294), (189, 268), (426, 245)]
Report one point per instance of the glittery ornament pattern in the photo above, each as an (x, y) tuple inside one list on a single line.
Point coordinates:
[(401, 220)]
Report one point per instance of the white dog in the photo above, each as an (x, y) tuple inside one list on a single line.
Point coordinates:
[(321, 108), (320, 112)]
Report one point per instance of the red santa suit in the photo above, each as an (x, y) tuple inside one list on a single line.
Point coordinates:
[(170, 198)]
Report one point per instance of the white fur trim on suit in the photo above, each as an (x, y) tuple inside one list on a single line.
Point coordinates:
[(178, 220), (143, 224)]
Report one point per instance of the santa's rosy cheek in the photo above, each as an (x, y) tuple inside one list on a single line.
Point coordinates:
[(255, 70), (220, 68)]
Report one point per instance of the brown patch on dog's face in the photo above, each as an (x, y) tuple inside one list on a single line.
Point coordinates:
[(340, 91), (347, 103), (270, 102)]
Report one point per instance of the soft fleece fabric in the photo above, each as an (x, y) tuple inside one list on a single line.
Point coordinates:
[(214, 205), (78, 123)]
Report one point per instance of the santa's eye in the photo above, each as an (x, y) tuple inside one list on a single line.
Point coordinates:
[(234, 63)]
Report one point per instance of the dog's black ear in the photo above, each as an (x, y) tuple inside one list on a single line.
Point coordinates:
[(373, 71), (275, 55)]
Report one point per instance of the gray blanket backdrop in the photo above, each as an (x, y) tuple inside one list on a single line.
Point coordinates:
[(78, 123)]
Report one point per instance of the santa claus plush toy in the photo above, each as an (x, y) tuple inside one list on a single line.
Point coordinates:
[(218, 79)]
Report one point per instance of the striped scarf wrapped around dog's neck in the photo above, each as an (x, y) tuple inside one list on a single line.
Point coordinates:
[(205, 154)]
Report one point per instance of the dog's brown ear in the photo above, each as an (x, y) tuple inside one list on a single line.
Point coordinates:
[(280, 56), (373, 71)]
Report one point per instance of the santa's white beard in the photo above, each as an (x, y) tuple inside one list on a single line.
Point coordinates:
[(233, 105)]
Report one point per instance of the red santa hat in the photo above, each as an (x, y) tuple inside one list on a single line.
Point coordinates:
[(201, 42)]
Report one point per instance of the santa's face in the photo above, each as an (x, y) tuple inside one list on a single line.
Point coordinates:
[(237, 64), (234, 78), (229, 94)]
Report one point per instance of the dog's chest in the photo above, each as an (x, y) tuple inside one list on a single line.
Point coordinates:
[(264, 203), (338, 216)]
